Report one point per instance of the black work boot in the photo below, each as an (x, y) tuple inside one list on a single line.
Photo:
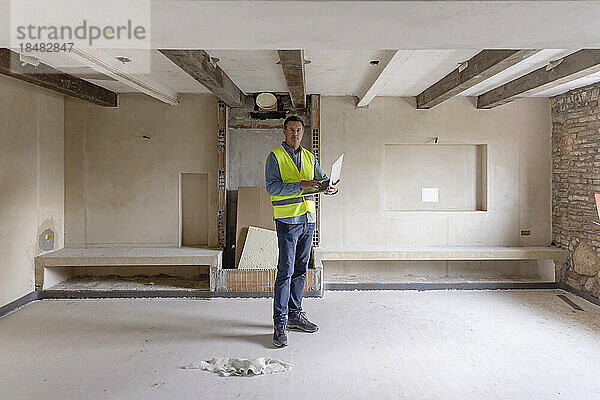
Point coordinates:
[(280, 335), (299, 321)]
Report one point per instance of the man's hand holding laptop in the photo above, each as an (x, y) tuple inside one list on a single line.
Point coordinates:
[(310, 185), (332, 189), (326, 186), (316, 187)]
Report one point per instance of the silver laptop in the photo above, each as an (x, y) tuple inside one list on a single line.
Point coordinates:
[(336, 174)]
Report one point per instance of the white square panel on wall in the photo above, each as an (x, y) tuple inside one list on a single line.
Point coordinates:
[(429, 195)]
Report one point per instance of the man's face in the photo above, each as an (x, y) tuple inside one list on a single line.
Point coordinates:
[(293, 134)]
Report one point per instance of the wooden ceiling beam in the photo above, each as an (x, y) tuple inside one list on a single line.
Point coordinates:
[(569, 68), (50, 78), (199, 65), (480, 67), (292, 63)]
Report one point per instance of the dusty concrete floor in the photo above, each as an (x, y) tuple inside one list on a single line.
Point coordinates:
[(372, 345)]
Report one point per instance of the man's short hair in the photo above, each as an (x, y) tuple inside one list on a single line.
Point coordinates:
[(292, 118)]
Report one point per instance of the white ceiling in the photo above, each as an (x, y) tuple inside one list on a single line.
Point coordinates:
[(340, 72), (330, 72), (423, 69), (340, 38), (252, 71), (347, 25), (354, 25)]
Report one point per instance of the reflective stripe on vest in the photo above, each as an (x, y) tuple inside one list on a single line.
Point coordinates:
[(295, 204), (293, 200)]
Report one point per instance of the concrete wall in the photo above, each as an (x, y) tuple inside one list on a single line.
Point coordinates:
[(575, 180), (518, 139), (247, 153), (249, 142), (453, 174), (123, 189), (31, 180)]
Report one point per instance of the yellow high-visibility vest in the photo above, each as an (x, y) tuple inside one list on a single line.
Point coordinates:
[(294, 204)]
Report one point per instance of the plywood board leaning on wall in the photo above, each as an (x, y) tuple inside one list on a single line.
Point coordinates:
[(253, 209)]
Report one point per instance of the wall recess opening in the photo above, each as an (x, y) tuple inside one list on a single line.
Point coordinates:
[(435, 177), (194, 208)]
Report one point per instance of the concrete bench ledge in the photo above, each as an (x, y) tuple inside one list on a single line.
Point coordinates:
[(129, 255), (440, 253), (126, 256)]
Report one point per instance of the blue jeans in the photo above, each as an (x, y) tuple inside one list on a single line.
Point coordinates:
[(294, 242)]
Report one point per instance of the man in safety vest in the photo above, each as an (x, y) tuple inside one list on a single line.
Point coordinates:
[(290, 171)]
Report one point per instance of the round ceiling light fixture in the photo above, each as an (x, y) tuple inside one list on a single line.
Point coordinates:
[(266, 101)]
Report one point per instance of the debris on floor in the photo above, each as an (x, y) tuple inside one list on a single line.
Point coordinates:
[(134, 283), (241, 366)]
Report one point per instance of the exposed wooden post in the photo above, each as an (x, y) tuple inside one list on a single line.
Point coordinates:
[(221, 155), (315, 123)]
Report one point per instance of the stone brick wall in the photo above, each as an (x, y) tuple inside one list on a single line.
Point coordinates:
[(575, 179)]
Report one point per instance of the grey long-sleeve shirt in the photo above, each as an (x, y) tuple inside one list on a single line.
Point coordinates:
[(276, 187)]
